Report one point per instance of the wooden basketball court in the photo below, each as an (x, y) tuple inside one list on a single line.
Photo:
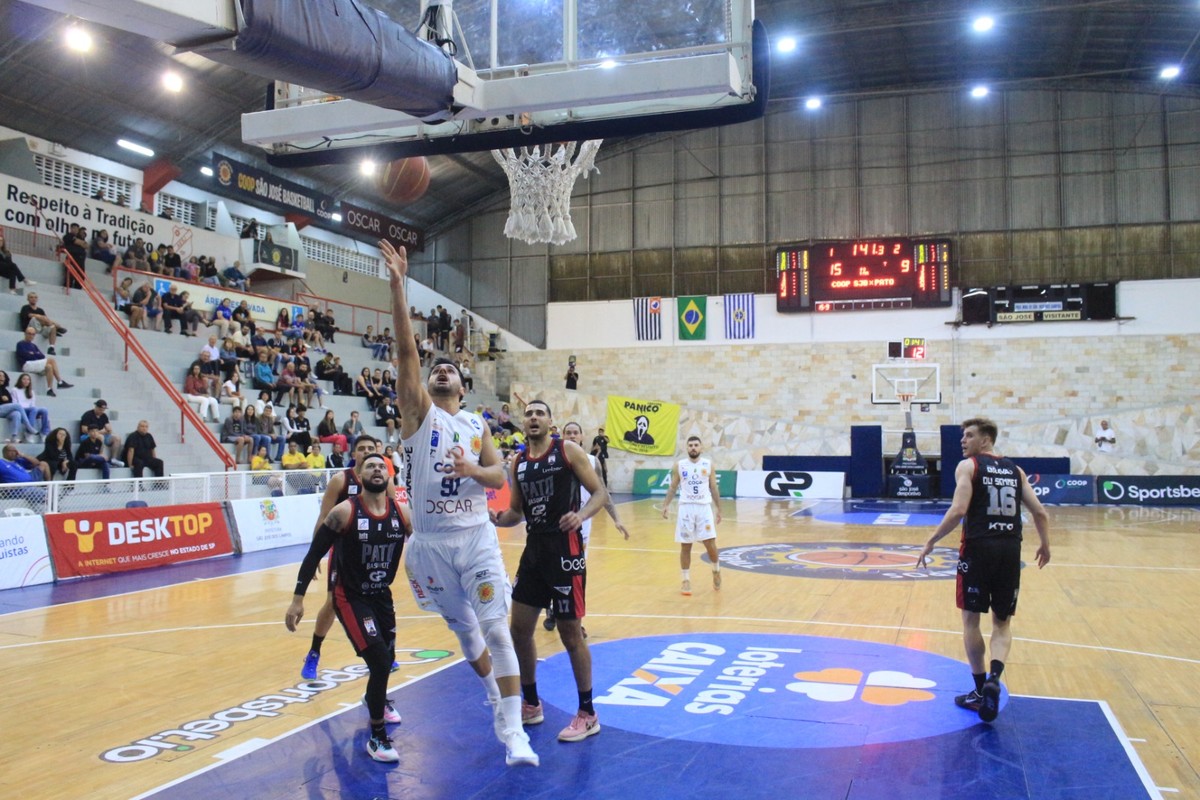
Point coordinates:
[(118, 689)]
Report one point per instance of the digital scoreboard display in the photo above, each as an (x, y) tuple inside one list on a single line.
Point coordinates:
[(863, 274)]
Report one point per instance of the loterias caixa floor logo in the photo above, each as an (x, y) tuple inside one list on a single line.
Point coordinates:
[(767, 690)]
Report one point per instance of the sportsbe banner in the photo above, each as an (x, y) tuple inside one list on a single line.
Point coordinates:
[(645, 427), (99, 542)]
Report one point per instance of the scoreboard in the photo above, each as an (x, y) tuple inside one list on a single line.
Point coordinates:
[(863, 274)]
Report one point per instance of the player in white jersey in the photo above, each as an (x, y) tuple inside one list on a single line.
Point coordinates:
[(697, 481), (453, 562), (572, 432)]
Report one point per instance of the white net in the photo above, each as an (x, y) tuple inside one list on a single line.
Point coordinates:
[(540, 180)]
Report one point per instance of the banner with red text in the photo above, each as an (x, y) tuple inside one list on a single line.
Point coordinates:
[(99, 542)]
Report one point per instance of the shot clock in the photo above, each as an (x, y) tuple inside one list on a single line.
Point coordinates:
[(863, 274)]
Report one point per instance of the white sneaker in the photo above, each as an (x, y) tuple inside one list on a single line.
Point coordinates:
[(390, 715), (115, 462), (517, 751), (497, 719)]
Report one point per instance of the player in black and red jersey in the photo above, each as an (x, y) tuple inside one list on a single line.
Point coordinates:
[(988, 493), (341, 485), (545, 482), (367, 534)]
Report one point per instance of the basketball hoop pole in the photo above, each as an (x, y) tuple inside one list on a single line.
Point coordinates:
[(906, 404)]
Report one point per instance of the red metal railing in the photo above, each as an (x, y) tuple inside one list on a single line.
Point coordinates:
[(186, 414), (351, 318)]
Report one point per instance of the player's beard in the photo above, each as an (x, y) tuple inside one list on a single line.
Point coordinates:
[(375, 486)]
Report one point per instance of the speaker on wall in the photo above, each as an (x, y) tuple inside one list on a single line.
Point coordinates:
[(976, 307), (1101, 300)]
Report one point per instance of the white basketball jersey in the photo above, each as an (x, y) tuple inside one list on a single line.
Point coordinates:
[(693, 481), (441, 503), (585, 495)]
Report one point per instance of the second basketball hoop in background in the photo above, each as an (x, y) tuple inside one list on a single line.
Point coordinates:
[(540, 180)]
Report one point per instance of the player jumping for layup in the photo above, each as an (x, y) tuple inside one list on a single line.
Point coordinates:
[(988, 492), (450, 462), (698, 497), (367, 534)]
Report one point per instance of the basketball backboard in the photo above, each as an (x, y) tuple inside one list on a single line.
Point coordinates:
[(919, 381), (538, 72)]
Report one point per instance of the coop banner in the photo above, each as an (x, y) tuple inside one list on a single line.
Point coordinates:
[(99, 542), (268, 522), (24, 559), (645, 427), (253, 185)]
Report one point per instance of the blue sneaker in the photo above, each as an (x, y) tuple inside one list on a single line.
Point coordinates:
[(395, 666), (309, 670)]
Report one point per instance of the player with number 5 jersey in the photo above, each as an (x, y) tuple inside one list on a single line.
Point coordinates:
[(454, 564), (989, 491)]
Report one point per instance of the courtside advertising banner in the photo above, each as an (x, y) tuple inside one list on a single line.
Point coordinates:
[(657, 481), (1063, 489), (1148, 490), (791, 485), (99, 542), (268, 522), (645, 427), (24, 557)]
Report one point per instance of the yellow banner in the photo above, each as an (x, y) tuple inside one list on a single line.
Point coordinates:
[(645, 427)]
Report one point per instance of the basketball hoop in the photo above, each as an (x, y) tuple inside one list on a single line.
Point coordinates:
[(905, 400), (540, 180)]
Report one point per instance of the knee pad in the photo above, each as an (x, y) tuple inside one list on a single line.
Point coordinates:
[(499, 641), (471, 643)]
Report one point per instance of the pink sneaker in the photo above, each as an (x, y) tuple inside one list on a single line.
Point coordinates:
[(583, 726), (531, 715)]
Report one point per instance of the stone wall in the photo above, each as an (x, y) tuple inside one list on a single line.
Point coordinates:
[(1047, 395)]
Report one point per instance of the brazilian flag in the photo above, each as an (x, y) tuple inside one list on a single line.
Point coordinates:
[(692, 319)]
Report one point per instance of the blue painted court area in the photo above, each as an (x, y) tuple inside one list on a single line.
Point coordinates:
[(710, 716), (891, 513)]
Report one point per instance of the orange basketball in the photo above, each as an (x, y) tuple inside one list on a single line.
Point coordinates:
[(405, 180)]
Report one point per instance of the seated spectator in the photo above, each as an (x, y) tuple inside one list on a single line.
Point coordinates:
[(37, 419), (266, 426), (191, 317), (364, 387), (103, 250), (31, 359), (57, 454), (90, 454), (141, 451), (135, 256), (190, 270), (172, 263), (155, 257), (222, 319), (264, 400), (316, 459), (301, 428), (139, 304), (382, 349), (11, 411), (231, 392), (235, 278), (241, 345), (387, 415), (233, 431), (16, 468), (211, 370), (34, 316), (327, 430), (294, 459), (464, 372), (229, 359), (97, 417), (352, 429), (122, 295), (265, 378), (327, 325), (330, 369), (250, 425), (288, 384), (283, 321), (368, 338), (393, 457), (212, 348), (10, 270), (384, 383), (196, 390), (261, 460), (242, 316), (311, 334), (336, 459), (208, 272), (504, 419), (294, 330), (308, 387), (427, 351), (173, 309), (250, 229)]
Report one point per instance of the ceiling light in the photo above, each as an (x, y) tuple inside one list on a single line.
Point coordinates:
[(812, 103), (135, 147), (336, 217), (787, 44), (172, 82), (983, 24), (607, 63), (367, 167), (979, 91), (1169, 72), (206, 172), (78, 39)]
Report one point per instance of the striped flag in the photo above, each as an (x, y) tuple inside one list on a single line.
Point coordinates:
[(739, 316), (647, 316)]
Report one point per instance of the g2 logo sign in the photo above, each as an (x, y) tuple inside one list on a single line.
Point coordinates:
[(787, 484)]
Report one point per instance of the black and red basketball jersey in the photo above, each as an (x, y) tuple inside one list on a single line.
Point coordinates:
[(995, 508)]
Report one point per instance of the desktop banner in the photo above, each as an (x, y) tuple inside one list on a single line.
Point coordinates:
[(124, 539), (645, 427), (24, 557)]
